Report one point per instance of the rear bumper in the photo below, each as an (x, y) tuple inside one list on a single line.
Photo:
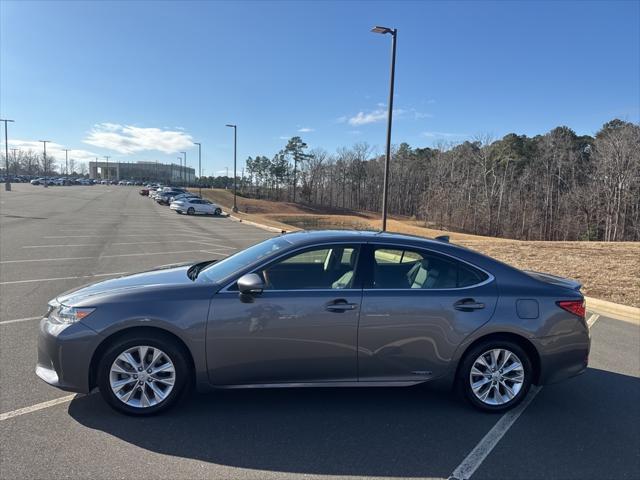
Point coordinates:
[(563, 356)]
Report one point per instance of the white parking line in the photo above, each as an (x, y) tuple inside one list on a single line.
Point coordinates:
[(19, 320), (198, 235), (38, 406), (35, 280), (98, 257), (475, 458), (117, 243)]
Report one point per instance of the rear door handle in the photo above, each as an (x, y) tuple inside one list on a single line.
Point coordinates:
[(468, 305), (340, 306)]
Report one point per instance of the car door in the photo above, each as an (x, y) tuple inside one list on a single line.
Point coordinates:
[(417, 307), (302, 328)]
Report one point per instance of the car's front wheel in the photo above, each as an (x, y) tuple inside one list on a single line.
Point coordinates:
[(143, 374), (495, 375), (218, 212)]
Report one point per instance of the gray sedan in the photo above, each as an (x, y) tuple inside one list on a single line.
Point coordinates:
[(317, 309)]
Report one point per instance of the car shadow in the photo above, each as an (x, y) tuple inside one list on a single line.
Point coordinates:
[(410, 432)]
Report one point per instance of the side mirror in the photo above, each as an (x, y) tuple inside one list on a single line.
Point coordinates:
[(250, 283)]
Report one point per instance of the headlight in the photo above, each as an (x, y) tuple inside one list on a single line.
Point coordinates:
[(63, 315)]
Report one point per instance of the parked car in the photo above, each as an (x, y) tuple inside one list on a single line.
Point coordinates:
[(144, 191), (180, 196), (324, 308), (164, 197), (195, 206)]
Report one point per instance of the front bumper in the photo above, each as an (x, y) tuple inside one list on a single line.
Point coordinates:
[(64, 357)]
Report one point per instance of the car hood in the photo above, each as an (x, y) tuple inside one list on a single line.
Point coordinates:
[(174, 274)]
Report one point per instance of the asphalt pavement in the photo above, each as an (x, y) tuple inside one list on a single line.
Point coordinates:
[(55, 239)]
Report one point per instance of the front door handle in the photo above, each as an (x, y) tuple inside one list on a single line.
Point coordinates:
[(340, 305), (468, 305)]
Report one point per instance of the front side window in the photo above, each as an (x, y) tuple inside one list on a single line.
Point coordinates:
[(327, 267), (415, 269)]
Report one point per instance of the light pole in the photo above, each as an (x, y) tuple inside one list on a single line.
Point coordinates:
[(15, 161), (199, 168), (66, 159), (107, 157), (184, 169), (385, 188), (235, 151), (44, 144), (7, 183)]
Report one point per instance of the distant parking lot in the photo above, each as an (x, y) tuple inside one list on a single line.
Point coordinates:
[(55, 239)]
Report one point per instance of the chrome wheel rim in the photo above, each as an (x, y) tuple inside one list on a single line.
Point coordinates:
[(142, 376), (496, 376)]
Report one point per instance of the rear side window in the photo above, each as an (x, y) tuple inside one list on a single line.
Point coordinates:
[(415, 269)]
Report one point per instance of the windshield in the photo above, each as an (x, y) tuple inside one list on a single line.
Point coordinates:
[(225, 268)]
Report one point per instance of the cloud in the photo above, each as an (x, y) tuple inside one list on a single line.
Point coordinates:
[(374, 116), (54, 150), (306, 130), (380, 114), (444, 135), (128, 139), (284, 137)]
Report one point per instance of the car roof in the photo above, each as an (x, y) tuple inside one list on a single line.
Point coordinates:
[(312, 236)]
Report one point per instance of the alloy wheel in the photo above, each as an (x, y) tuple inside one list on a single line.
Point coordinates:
[(497, 376), (142, 376)]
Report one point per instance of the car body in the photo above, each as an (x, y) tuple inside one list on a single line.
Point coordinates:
[(193, 205), (181, 196), (144, 192), (164, 197), (325, 308)]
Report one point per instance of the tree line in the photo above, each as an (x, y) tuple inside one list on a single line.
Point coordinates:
[(556, 186)]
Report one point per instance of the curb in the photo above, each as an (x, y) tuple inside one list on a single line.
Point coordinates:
[(615, 310), (257, 225)]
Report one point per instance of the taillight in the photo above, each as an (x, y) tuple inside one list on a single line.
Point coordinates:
[(573, 306)]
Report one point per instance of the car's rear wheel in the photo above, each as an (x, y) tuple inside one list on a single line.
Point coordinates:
[(143, 374), (495, 375), (217, 212), (191, 211)]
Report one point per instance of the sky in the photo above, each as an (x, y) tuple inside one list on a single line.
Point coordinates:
[(144, 80)]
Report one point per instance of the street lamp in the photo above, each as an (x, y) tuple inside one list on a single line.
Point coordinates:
[(108, 176), (7, 183), (385, 188), (44, 144), (199, 168), (15, 160), (66, 157), (235, 150)]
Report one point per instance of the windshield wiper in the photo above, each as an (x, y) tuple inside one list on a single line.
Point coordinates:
[(196, 268)]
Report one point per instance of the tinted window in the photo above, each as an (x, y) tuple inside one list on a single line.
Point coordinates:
[(319, 268), (407, 269)]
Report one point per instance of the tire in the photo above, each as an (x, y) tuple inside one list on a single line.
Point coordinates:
[(171, 353), (503, 392), (191, 211), (218, 212)]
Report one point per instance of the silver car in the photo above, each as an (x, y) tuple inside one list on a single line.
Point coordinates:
[(317, 309), (192, 205)]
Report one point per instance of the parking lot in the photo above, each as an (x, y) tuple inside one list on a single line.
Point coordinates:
[(56, 239)]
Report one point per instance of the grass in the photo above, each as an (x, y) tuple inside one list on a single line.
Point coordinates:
[(608, 270)]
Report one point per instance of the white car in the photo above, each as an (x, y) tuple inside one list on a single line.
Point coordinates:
[(195, 206)]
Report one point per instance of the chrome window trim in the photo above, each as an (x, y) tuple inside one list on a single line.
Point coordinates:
[(361, 244), (490, 278), (253, 269)]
